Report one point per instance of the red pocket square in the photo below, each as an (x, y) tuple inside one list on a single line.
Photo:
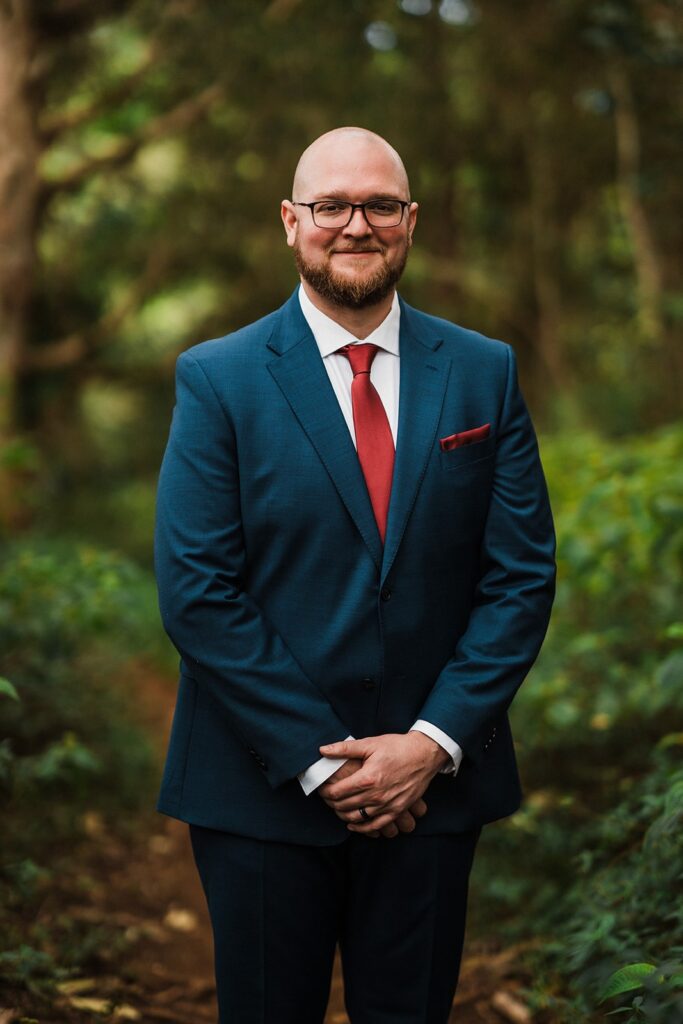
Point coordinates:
[(465, 437)]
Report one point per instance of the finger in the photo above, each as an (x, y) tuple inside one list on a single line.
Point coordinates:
[(354, 814), (355, 785), (356, 817), (377, 824), (389, 831), (418, 809), (405, 822), (347, 748), (363, 799)]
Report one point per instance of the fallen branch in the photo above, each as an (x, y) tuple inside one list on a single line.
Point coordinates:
[(188, 1016), (509, 1007)]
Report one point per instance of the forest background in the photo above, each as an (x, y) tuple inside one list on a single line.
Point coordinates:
[(144, 149)]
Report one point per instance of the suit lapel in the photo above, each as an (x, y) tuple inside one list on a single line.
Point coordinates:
[(423, 379), (301, 376)]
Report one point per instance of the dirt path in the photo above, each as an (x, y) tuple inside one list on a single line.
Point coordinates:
[(147, 893)]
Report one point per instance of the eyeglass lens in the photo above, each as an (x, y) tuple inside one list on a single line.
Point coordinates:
[(379, 213)]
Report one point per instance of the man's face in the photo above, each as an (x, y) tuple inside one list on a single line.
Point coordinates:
[(357, 265)]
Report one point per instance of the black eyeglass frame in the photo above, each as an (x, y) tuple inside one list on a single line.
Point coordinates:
[(352, 209)]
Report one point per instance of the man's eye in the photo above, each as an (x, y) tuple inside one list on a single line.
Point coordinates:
[(384, 209), (330, 208)]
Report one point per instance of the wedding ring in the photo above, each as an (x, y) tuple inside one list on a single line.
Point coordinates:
[(364, 814)]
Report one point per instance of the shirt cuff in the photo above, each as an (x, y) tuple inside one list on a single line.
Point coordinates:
[(445, 741), (320, 771)]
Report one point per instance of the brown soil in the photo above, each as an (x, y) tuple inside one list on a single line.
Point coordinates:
[(146, 892)]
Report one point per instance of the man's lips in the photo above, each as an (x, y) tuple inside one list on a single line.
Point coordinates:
[(354, 252)]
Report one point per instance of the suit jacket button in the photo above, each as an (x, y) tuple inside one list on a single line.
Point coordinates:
[(385, 593), (367, 683)]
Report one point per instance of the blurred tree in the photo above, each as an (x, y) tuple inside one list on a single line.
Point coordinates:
[(146, 146)]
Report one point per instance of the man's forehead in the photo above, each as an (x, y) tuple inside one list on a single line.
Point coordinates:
[(357, 192), (346, 162)]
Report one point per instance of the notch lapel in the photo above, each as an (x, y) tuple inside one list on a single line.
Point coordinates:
[(300, 374), (423, 378)]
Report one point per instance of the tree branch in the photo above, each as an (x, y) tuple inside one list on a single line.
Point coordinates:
[(55, 125), (56, 19), (280, 10), (122, 151), (76, 347)]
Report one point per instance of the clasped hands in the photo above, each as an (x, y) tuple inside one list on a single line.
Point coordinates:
[(386, 775)]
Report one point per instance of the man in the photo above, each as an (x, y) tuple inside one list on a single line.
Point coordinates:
[(354, 553)]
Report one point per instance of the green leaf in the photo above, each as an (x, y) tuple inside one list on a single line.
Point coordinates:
[(626, 979), (7, 689), (672, 739)]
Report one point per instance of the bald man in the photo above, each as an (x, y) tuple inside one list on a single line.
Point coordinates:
[(355, 560)]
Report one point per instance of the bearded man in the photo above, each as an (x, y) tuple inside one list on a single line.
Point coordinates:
[(355, 561)]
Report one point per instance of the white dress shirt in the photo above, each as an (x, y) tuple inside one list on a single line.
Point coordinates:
[(385, 375)]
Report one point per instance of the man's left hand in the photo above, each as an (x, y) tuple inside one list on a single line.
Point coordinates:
[(397, 768)]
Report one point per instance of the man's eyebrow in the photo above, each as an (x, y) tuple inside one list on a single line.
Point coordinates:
[(342, 197)]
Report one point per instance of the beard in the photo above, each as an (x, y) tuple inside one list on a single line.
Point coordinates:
[(352, 293)]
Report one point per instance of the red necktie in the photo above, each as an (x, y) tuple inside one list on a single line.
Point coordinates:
[(374, 440)]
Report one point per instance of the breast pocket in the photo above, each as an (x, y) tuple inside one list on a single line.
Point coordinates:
[(468, 454)]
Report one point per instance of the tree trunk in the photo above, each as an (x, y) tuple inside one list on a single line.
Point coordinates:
[(545, 248), (645, 256), (19, 149)]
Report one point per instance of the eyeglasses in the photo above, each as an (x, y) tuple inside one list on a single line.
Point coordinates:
[(379, 213)]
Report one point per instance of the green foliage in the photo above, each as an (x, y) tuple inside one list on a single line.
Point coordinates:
[(613, 656), (19, 454), (71, 617), (592, 861), (661, 992), (7, 690), (517, 236), (623, 904), (28, 967), (626, 979)]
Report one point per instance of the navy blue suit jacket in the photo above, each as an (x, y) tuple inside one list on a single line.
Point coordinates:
[(294, 625)]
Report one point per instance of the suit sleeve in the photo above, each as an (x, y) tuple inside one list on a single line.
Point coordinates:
[(514, 594), (223, 637)]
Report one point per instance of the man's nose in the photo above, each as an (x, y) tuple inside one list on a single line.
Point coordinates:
[(358, 225)]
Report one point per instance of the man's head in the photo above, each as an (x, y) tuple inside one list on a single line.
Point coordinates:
[(358, 264)]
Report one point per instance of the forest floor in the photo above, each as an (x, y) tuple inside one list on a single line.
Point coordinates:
[(142, 894)]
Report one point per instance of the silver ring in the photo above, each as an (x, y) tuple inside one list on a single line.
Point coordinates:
[(364, 814)]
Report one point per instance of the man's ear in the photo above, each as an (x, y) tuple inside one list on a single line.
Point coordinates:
[(289, 219), (412, 220)]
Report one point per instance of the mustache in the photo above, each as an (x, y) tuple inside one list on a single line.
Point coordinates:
[(358, 248)]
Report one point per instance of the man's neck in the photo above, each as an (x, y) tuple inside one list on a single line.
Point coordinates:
[(358, 322)]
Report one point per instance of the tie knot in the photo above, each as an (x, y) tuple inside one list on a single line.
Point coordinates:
[(360, 356)]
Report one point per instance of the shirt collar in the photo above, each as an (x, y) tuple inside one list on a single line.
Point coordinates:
[(330, 335)]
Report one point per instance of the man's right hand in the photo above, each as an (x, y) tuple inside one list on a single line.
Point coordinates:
[(405, 822)]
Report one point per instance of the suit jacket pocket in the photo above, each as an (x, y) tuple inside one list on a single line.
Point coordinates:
[(468, 454)]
